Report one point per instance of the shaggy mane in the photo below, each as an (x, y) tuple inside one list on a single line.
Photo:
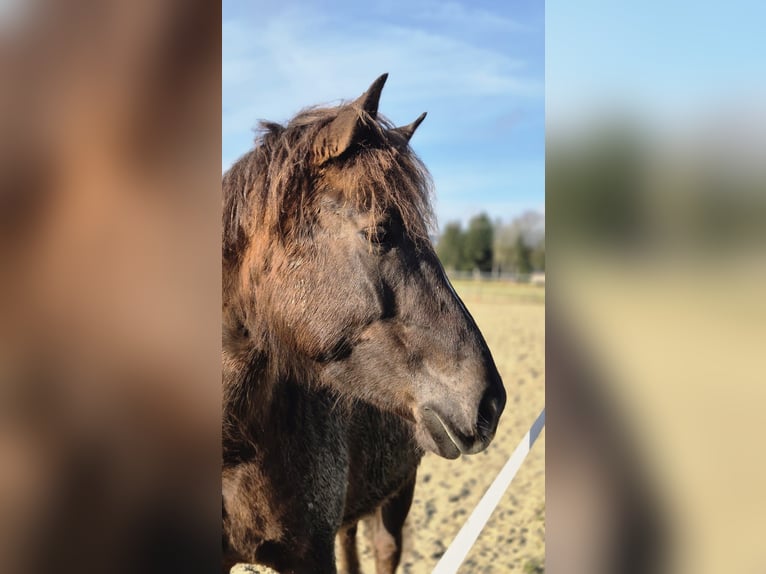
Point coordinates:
[(274, 189)]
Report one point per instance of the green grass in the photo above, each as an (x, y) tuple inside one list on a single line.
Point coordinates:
[(499, 291)]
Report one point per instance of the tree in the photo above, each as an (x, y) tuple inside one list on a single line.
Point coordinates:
[(538, 256), (513, 243), (523, 256), (450, 246), (503, 248), (478, 243)]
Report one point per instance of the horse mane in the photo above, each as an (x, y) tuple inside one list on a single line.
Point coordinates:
[(273, 190), (271, 195)]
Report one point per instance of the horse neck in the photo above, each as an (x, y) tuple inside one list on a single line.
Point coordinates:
[(260, 404), (257, 370)]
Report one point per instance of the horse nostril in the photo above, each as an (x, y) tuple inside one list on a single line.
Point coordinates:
[(490, 408)]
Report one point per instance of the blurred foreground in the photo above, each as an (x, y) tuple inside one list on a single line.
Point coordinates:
[(109, 241)]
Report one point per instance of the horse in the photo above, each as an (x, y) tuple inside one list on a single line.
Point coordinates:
[(346, 352)]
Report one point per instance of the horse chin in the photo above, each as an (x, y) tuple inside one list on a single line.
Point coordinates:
[(434, 436)]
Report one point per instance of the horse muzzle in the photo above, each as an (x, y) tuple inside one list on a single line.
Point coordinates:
[(448, 438)]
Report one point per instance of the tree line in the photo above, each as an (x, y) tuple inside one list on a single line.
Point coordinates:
[(497, 247)]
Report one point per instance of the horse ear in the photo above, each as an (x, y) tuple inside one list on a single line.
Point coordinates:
[(345, 129), (369, 100), (407, 131)]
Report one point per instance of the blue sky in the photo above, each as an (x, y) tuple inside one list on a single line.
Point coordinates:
[(477, 68), (670, 62)]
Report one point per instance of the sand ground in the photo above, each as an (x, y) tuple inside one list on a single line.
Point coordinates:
[(512, 318)]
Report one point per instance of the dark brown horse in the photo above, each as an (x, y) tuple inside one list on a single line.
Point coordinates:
[(346, 352)]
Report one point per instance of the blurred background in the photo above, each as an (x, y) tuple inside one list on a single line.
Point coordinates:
[(655, 181), (110, 286)]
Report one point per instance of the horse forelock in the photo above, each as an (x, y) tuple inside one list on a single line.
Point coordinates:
[(272, 192)]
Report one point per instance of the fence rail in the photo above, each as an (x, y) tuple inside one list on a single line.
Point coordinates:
[(465, 539)]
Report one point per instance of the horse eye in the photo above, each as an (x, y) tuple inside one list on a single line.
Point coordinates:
[(378, 234)]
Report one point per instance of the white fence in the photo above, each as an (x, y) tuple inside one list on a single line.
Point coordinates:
[(465, 539)]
